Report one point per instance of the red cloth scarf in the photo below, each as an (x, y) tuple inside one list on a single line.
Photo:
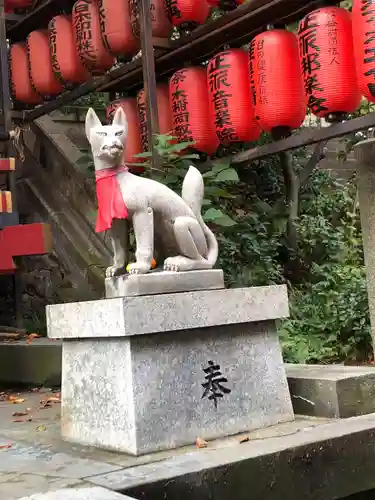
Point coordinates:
[(110, 202)]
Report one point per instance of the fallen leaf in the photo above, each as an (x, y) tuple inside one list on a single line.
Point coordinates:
[(33, 336), (5, 446), (201, 443), (16, 401), (41, 428), (19, 414), (44, 404), (244, 439), (53, 400)]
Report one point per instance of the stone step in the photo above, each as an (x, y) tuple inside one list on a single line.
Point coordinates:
[(334, 391)]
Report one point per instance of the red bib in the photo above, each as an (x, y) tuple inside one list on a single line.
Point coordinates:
[(110, 202)]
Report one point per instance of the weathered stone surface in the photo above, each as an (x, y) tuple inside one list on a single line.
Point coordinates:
[(169, 312), (144, 393), (335, 391), (30, 459), (364, 153), (322, 462), (14, 485), (38, 363), (94, 493), (163, 282)]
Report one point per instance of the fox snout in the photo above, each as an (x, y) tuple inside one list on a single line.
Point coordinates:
[(112, 145)]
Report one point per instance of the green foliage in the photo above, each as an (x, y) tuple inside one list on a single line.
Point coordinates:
[(329, 319), (175, 159)]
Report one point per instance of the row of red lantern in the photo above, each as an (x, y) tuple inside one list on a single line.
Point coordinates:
[(89, 41), (226, 102), (281, 80)]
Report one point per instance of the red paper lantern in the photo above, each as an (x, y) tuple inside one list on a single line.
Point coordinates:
[(230, 97), (18, 4), (21, 87), (276, 83), (327, 61), (66, 63), (191, 109), (40, 65), (133, 143), (88, 37), (116, 27), (161, 24), (363, 23), (164, 113), (187, 13)]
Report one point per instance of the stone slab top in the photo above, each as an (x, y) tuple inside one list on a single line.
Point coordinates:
[(158, 282), (94, 493), (327, 372), (127, 316)]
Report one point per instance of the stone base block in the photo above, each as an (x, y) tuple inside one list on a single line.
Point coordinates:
[(334, 391), (38, 363), (145, 374), (95, 493), (159, 282)]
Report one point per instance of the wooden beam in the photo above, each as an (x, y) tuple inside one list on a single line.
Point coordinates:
[(305, 137), (149, 77)]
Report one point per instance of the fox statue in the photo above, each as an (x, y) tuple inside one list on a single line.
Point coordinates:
[(159, 216)]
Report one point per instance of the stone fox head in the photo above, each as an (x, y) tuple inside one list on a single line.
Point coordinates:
[(107, 141)]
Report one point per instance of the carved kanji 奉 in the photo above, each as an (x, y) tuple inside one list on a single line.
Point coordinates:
[(22, 240)]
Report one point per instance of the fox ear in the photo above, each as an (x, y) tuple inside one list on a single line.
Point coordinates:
[(92, 121), (120, 120)]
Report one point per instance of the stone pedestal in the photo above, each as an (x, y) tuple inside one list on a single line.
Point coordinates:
[(154, 372), (365, 156)]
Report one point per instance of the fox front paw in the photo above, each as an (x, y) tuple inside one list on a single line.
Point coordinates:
[(138, 268), (112, 271)]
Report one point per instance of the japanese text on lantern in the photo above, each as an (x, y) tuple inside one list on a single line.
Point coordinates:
[(219, 88), (53, 49), (309, 54), (134, 17), (257, 55), (213, 387), (332, 39), (102, 25), (172, 9), (181, 116), (368, 12), (11, 80), (143, 120), (29, 65), (83, 29)]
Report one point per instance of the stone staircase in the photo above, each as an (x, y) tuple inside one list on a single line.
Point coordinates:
[(55, 188)]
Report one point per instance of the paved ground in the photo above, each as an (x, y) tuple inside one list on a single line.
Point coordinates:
[(33, 458)]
